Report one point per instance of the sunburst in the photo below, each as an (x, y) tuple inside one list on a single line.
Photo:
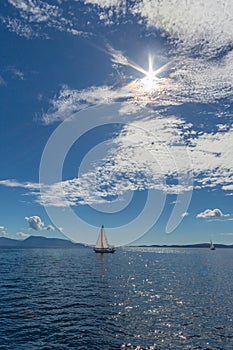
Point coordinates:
[(148, 89), (150, 79)]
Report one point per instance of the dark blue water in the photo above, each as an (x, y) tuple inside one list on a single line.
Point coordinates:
[(149, 298)]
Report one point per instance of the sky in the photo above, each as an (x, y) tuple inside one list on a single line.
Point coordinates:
[(119, 113)]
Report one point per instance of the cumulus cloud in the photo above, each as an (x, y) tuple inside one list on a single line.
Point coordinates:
[(22, 234), (227, 188), (35, 223), (50, 228), (3, 230), (184, 214), (209, 213)]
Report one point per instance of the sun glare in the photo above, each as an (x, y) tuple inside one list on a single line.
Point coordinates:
[(152, 82), (150, 79)]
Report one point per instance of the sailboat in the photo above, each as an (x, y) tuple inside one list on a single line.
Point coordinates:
[(212, 247), (102, 245)]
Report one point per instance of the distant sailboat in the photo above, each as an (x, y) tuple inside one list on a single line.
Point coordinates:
[(212, 247), (102, 245)]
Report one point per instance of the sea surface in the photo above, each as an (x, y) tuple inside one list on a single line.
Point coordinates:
[(136, 298)]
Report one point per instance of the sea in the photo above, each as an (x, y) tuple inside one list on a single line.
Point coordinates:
[(136, 298)]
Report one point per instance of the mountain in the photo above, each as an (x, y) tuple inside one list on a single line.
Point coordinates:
[(38, 242), (8, 242)]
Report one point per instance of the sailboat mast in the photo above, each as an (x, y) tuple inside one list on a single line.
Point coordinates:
[(102, 236)]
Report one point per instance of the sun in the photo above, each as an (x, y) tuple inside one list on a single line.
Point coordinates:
[(149, 87), (149, 81)]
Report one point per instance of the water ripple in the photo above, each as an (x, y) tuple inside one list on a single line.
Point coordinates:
[(137, 298)]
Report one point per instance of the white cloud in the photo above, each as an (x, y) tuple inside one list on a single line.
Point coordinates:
[(149, 153), (227, 187), (70, 101), (108, 8), (17, 73), (50, 228), (187, 80), (36, 11), (209, 213), (196, 33), (184, 214), (20, 28), (35, 223), (3, 230), (15, 183), (22, 234), (211, 158), (34, 17), (205, 25)]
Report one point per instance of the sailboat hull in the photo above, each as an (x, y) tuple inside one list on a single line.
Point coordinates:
[(104, 250)]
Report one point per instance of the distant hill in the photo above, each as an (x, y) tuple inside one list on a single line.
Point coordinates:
[(198, 245), (38, 242), (8, 242)]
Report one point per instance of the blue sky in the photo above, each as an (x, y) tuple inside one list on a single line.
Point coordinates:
[(117, 113)]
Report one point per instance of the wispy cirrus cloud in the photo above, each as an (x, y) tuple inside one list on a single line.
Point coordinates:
[(36, 18), (15, 183), (70, 101), (17, 73)]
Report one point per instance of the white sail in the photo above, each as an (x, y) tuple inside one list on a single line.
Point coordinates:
[(102, 239), (212, 247)]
